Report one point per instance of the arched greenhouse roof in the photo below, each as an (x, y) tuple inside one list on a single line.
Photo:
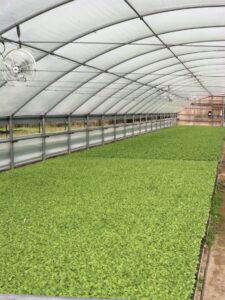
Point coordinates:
[(113, 56)]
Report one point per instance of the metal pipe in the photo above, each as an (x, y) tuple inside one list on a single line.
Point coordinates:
[(146, 123), (69, 133), (114, 128), (223, 112), (125, 124), (103, 131), (140, 124), (11, 142), (43, 129), (87, 131)]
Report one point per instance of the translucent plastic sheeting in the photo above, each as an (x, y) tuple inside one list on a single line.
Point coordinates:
[(13, 98), (84, 47), (4, 156), (115, 101), (80, 96), (56, 144), (108, 134), (187, 19), (13, 11), (129, 93), (78, 140), (25, 150), (49, 98), (150, 7), (129, 130), (95, 137)]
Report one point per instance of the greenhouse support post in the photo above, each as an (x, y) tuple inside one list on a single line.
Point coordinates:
[(124, 124), (43, 129), (51, 144), (11, 142), (146, 123), (69, 133), (102, 125), (114, 128), (223, 112), (140, 123), (87, 131)]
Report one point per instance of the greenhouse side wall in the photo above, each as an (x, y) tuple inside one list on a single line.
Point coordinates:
[(20, 150)]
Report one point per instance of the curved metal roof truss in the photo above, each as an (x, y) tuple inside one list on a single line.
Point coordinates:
[(114, 57)]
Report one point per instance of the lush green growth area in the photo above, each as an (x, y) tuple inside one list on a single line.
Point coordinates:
[(178, 143), (86, 226)]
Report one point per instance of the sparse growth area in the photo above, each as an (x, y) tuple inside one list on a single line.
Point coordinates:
[(124, 220)]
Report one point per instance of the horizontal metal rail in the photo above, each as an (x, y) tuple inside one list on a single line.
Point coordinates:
[(21, 150)]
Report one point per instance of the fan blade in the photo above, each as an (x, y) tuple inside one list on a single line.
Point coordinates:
[(19, 66)]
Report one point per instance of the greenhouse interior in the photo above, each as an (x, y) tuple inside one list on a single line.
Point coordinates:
[(112, 154)]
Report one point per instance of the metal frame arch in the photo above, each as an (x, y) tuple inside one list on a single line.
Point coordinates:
[(160, 13), (151, 91)]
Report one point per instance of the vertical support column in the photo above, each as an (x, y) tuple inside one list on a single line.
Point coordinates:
[(69, 132), (156, 123), (114, 128), (151, 122), (6, 129), (223, 112), (11, 142), (87, 131), (125, 125), (43, 129), (133, 124), (140, 124), (102, 125), (146, 123), (160, 121)]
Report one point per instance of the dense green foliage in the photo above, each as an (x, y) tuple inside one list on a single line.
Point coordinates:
[(178, 143), (87, 226)]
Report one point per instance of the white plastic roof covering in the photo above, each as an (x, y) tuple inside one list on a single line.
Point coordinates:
[(114, 56)]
